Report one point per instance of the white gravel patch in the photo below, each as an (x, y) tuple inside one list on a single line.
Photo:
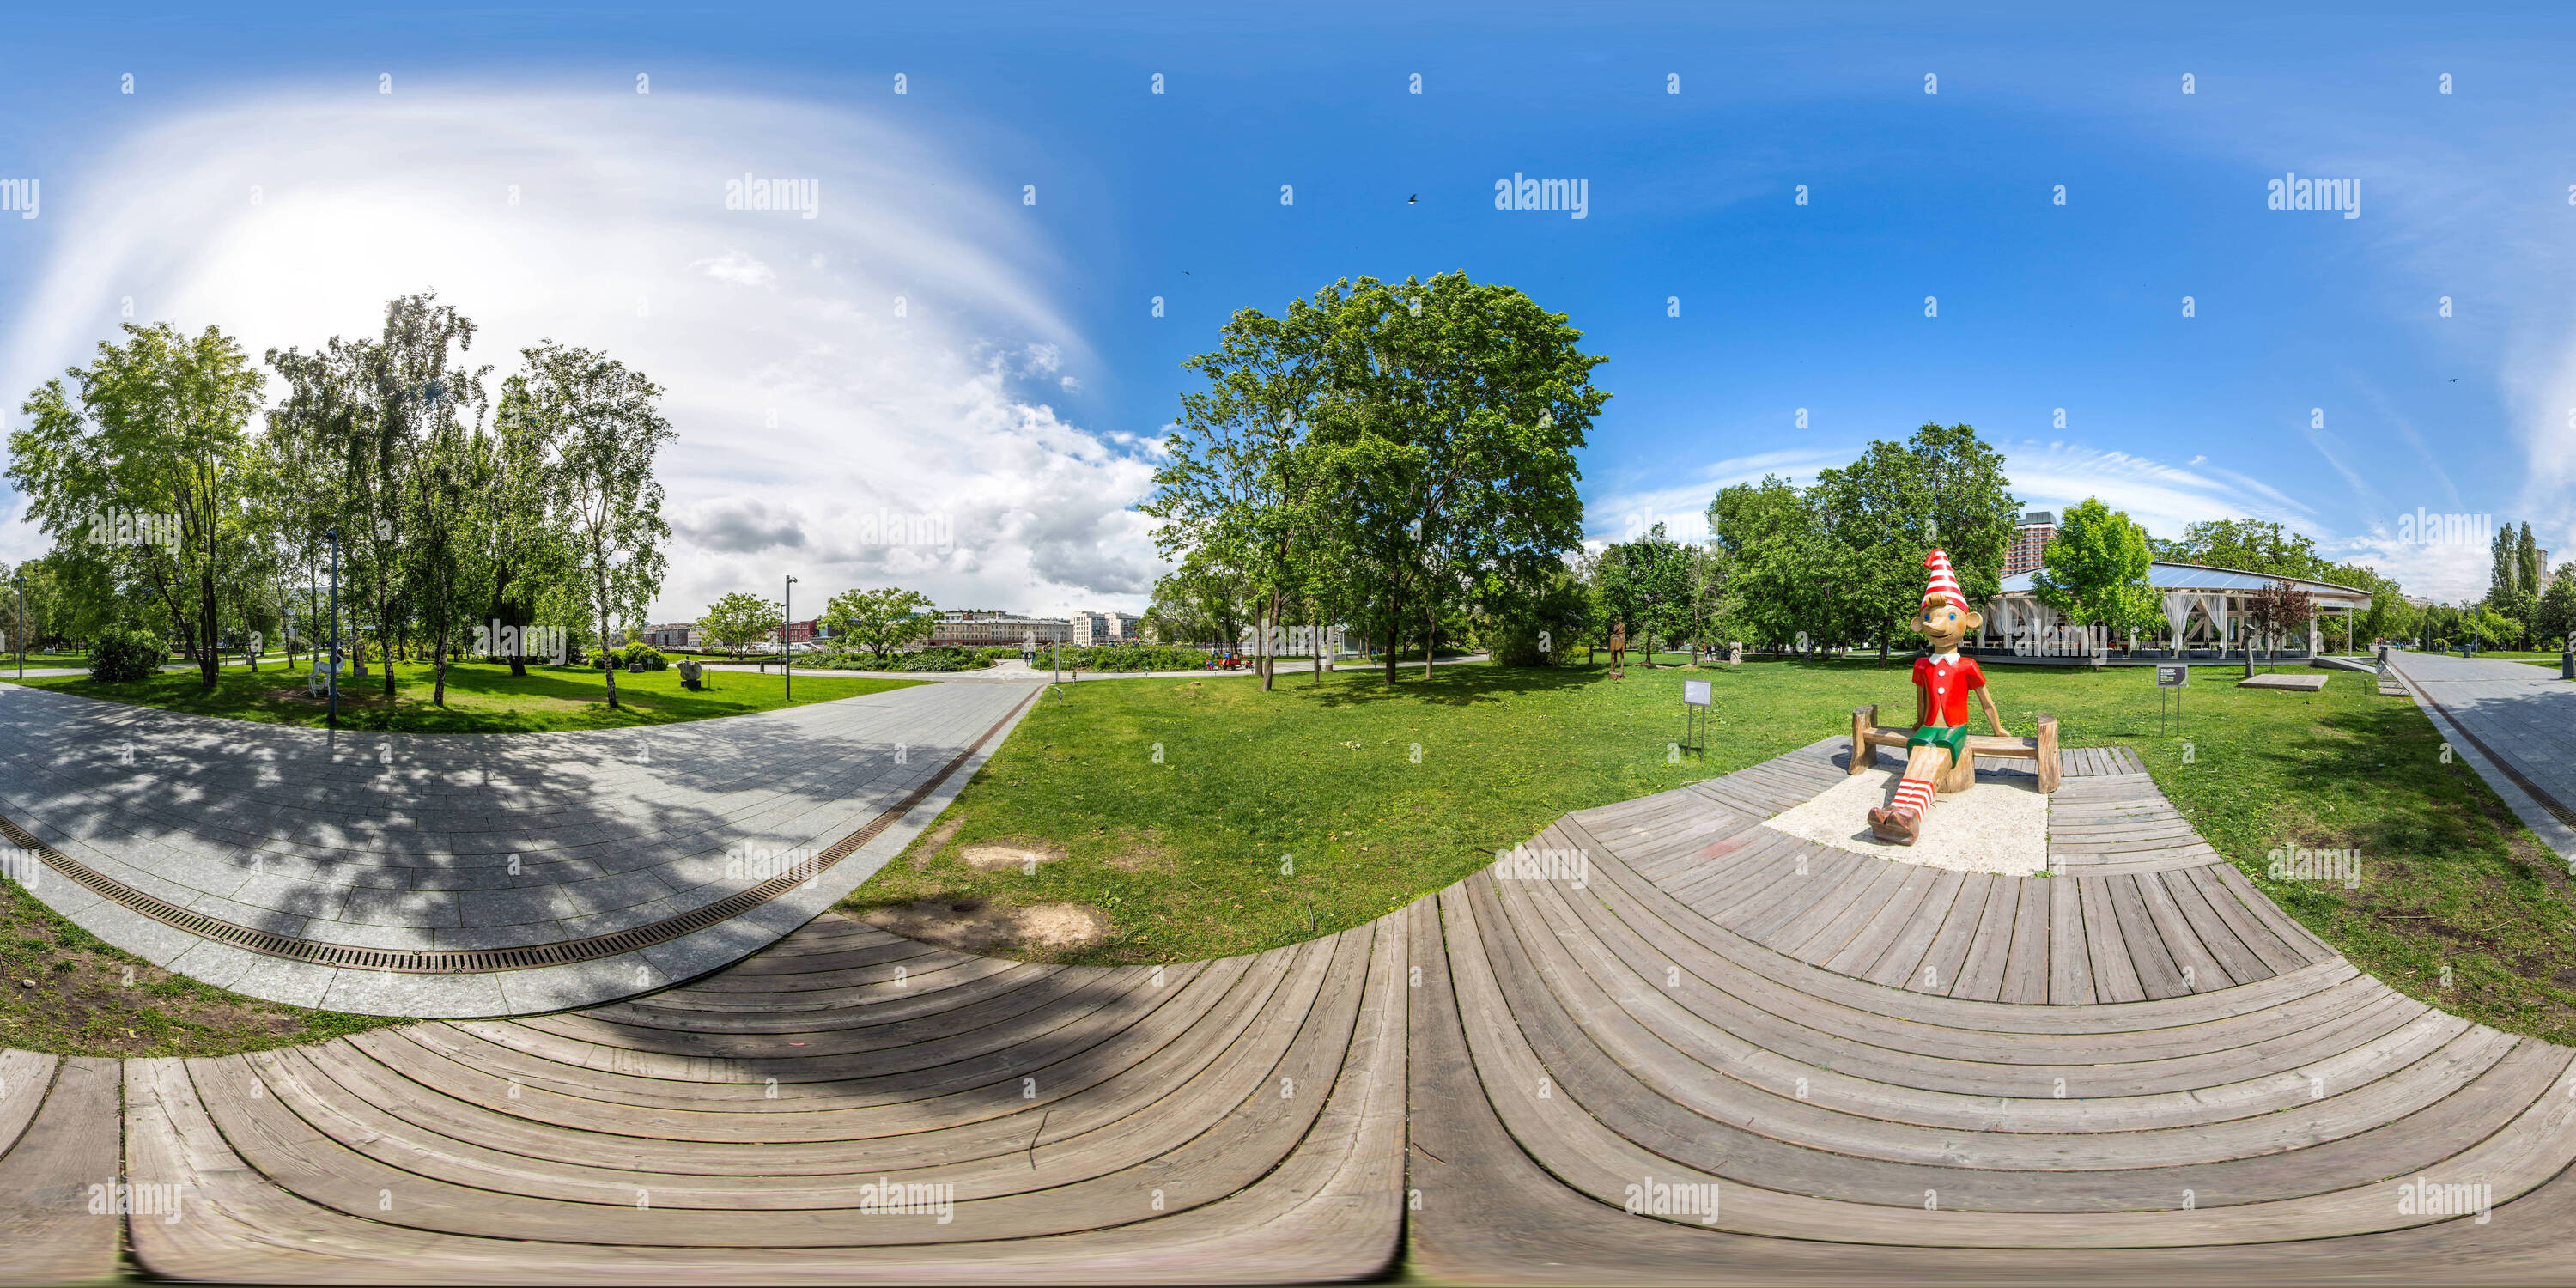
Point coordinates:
[(1999, 826)]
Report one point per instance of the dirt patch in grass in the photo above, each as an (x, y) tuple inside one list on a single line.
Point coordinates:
[(63, 990), (1141, 851), (1010, 856), (971, 925), (928, 845)]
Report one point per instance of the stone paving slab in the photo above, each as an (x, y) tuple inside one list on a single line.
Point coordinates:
[(366, 842), (2296, 683)]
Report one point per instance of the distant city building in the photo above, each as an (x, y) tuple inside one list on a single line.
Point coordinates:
[(1091, 629), (994, 628), (672, 635), (2030, 542)]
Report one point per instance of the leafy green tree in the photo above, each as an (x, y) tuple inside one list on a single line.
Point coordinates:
[(1235, 489), (1381, 449), (361, 409), (2274, 611), (526, 536), (1449, 441), (1880, 515), (2248, 545), (881, 621), (1712, 600), (1770, 533), (157, 427), (611, 431), (2095, 570), (447, 494), (739, 619), (1536, 626), (1647, 584), (2553, 619), (2490, 628), (1200, 602)]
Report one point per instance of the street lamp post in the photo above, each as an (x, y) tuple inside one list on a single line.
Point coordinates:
[(331, 672), (787, 640)]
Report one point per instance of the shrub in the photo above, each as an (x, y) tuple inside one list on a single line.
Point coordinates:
[(127, 657), (945, 657), (1132, 657), (643, 657)]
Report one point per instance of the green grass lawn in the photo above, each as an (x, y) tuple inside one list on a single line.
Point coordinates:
[(65, 991), (1270, 818), (482, 697)]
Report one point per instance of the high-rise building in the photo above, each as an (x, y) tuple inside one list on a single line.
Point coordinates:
[(2030, 542)]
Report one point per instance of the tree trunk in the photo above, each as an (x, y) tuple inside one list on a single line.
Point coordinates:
[(1315, 640), (1430, 630), (1394, 603), (385, 643), (1268, 661), (207, 660), (438, 695)]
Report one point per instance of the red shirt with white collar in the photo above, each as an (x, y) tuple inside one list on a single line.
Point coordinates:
[(1946, 679)]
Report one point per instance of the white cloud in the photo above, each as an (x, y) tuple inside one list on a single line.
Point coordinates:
[(740, 269), (801, 405)]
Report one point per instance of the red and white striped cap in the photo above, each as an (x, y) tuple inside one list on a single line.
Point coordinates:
[(1943, 584)]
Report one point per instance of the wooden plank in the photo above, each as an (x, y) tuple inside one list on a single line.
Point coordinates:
[(2201, 970), (2070, 973), (1900, 962), (1946, 956), (1846, 919), (2240, 963), (1981, 976), (1871, 937), (2115, 979), (2250, 928), (2283, 926), (70, 1144), (2150, 958)]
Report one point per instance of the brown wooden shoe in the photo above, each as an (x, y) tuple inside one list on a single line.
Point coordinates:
[(1896, 825)]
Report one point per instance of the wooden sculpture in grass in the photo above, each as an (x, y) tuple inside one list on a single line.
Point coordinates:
[(1938, 749)]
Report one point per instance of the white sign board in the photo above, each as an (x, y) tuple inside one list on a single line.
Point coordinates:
[(1695, 693)]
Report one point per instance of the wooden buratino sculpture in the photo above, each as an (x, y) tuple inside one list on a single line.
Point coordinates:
[(1619, 649), (1941, 755)]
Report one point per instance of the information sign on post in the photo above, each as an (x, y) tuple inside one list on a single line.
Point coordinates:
[(1695, 703), (2170, 679)]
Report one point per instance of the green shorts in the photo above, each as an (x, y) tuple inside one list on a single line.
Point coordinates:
[(1954, 737)]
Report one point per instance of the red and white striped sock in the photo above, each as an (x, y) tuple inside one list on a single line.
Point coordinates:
[(1913, 796)]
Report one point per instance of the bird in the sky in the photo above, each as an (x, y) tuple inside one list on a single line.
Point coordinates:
[(2455, 380), (1412, 199)]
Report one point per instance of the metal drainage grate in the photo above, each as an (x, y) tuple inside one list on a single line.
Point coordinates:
[(473, 960)]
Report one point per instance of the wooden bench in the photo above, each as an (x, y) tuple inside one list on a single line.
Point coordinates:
[(2042, 750)]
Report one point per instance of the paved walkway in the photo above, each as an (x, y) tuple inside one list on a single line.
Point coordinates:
[(2514, 722), (447, 844), (1708, 1053)]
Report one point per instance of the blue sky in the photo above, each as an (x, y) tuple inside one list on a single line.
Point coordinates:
[(1022, 387)]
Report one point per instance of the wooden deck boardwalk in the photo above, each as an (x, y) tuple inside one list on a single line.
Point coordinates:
[(1728, 1056), (1719, 1054)]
